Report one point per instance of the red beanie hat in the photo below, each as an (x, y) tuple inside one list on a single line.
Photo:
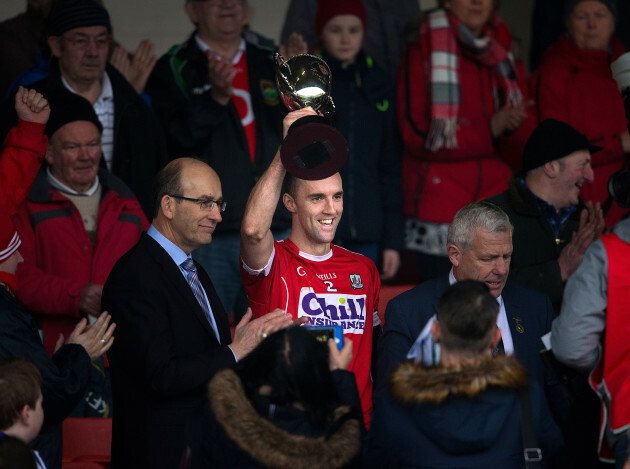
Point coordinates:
[(9, 239), (328, 9)]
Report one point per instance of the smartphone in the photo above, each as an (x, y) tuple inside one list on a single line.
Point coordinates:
[(323, 333)]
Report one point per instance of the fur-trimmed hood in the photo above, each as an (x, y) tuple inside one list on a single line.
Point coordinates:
[(414, 384), (459, 411), (272, 446)]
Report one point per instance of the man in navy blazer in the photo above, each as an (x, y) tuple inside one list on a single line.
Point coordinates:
[(480, 248), (169, 339)]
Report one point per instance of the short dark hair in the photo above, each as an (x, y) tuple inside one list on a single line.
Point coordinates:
[(467, 315), (295, 366), (20, 385), (289, 185), (167, 181)]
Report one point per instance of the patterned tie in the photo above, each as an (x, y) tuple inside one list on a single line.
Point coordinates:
[(193, 280)]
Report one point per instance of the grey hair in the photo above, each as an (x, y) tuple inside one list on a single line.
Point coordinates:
[(484, 215)]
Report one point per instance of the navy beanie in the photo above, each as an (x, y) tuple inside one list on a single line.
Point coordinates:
[(70, 14)]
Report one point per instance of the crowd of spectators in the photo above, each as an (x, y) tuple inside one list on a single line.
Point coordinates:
[(153, 188)]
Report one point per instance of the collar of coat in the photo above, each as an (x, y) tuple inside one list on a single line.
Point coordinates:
[(413, 383), (273, 446), (523, 203)]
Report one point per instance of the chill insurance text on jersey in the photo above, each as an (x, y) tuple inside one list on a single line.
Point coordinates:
[(332, 307)]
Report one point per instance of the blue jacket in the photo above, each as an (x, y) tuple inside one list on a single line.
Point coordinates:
[(468, 418), (365, 115), (529, 314)]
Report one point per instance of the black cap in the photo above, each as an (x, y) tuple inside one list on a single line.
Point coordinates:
[(70, 14), (66, 107), (552, 140)]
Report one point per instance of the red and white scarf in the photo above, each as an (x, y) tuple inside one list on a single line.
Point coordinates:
[(442, 33)]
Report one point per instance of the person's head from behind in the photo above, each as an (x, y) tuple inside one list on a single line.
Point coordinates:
[(187, 203), (590, 23), (466, 326), (79, 34), (316, 208), (218, 20), (15, 454), (480, 245), (290, 367), (557, 162), (21, 413), (341, 27), (74, 150)]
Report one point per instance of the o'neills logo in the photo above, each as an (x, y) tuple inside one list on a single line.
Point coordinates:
[(324, 309)]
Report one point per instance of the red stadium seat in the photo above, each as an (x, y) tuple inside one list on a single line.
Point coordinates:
[(81, 465), (387, 293), (87, 439)]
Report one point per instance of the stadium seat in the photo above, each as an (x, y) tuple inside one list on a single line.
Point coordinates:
[(87, 439), (387, 293)]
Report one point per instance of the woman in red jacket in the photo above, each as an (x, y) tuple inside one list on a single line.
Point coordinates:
[(461, 104), (574, 84)]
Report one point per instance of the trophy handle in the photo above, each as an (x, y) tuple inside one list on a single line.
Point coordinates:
[(327, 106), (284, 70)]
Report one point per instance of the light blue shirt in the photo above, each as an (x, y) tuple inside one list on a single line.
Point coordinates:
[(179, 257)]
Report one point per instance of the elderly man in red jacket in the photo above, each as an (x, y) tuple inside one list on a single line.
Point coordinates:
[(77, 221)]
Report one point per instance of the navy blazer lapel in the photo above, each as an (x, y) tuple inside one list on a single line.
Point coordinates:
[(174, 276), (218, 311), (517, 323)]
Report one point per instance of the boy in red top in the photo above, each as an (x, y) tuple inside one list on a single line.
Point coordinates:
[(305, 274)]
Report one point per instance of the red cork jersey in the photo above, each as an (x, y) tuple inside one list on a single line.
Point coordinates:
[(340, 288)]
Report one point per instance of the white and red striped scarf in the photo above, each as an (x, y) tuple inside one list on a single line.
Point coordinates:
[(442, 32)]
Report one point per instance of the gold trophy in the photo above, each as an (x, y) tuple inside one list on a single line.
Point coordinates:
[(313, 149)]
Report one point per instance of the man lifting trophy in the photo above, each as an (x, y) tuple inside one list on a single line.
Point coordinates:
[(313, 148)]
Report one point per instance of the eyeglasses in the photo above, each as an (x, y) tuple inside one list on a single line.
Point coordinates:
[(83, 42), (205, 205)]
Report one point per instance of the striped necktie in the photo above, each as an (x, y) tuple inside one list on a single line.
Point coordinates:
[(195, 285)]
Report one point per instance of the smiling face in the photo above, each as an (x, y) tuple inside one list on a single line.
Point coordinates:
[(571, 174), (82, 53), (472, 13), (316, 208), (343, 36), (189, 226), (591, 25), (74, 154), (487, 260), (218, 19)]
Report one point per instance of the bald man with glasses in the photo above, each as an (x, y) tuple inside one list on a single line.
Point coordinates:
[(172, 332)]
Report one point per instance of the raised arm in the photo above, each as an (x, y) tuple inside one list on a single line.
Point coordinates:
[(23, 150), (256, 236)]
